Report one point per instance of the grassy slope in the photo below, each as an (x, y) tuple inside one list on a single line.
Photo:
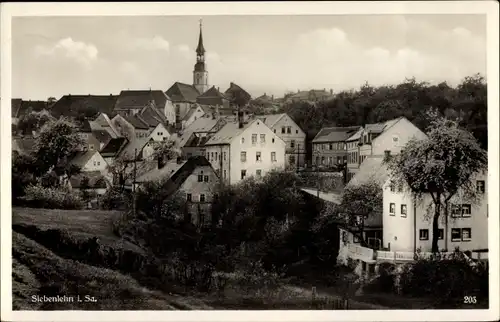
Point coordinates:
[(37, 270)]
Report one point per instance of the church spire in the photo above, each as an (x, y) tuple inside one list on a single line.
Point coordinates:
[(200, 49)]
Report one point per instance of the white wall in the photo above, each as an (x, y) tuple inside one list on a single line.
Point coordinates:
[(296, 135), (96, 163), (403, 131), (399, 231), (159, 134), (169, 111), (196, 115), (251, 165)]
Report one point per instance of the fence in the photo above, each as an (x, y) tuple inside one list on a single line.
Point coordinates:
[(359, 252)]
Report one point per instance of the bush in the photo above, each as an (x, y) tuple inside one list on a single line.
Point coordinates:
[(445, 278), (115, 199), (37, 196)]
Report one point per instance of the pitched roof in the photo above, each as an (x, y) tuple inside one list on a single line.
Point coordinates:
[(136, 122), (153, 116), (211, 97), (180, 176), (197, 140), (137, 99), (180, 92), (113, 147), (102, 136), (334, 134), (271, 119), (235, 91), (155, 174), (356, 135), (104, 122), (135, 143), (228, 133), (96, 180), (202, 125), (371, 169), (69, 105), (80, 159), (382, 126)]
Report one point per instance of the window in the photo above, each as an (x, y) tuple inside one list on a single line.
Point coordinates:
[(292, 144), (273, 156), (98, 163), (242, 140), (455, 211), (262, 138), (272, 140), (211, 155), (274, 130), (289, 130), (292, 159), (202, 198), (258, 173), (466, 234), (224, 156), (424, 234), (400, 188), (339, 160), (189, 197), (392, 209), (95, 163), (243, 156), (254, 139), (456, 234), (355, 239), (205, 178), (258, 156), (91, 147), (243, 174), (330, 160), (331, 146), (282, 130), (296, 131), (392, 187), (200, 178), (225, 174), (215, 156), (480, 186), (441, 234), (466, 210), (395, 139), (323, 160), (403, 210)]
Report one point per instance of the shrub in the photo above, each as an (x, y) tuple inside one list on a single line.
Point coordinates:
[(114, 199), (38, 196)]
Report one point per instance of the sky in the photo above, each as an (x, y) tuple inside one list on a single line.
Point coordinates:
[(55, 56)]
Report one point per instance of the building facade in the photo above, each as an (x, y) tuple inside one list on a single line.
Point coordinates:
[(241, 150), (295, 138), (329, 147), (408, 223)]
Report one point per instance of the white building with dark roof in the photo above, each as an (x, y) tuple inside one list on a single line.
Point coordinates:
[(243, 149)]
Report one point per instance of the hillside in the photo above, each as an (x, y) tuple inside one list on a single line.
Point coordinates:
[(40, 270)]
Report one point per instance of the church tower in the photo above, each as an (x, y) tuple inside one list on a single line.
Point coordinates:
[(200, 74)]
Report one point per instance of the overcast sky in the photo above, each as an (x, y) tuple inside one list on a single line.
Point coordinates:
[(54, 56)]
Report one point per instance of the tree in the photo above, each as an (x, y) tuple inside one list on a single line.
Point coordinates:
[(358, 203), (441, 166), (167, 150), (54, 147), (33, 121)]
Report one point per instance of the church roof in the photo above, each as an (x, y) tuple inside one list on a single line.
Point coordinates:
[(200, 49), (180, 92)]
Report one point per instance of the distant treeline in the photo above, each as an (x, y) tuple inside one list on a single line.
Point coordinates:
[(466, 102)]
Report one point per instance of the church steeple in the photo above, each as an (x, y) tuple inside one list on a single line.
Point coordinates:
[(200, 74), (200, 50)]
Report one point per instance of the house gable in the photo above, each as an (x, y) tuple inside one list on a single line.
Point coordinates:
[(396, 136)]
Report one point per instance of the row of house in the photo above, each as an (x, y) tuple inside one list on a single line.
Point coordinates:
[(404, 226)]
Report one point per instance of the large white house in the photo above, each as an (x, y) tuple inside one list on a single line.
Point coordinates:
[(408, 223), (240, 150)]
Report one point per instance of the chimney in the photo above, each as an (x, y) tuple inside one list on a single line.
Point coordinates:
[(160, 162)]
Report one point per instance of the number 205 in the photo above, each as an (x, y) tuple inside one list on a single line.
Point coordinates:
[(470, 300)]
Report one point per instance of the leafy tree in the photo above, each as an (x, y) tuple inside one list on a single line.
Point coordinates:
[(33, 121), (441, 166), (358, 203), (57, 142), (22, 174), (167, 150)]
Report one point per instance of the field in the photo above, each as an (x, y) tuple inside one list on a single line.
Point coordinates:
[(38, 270)]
